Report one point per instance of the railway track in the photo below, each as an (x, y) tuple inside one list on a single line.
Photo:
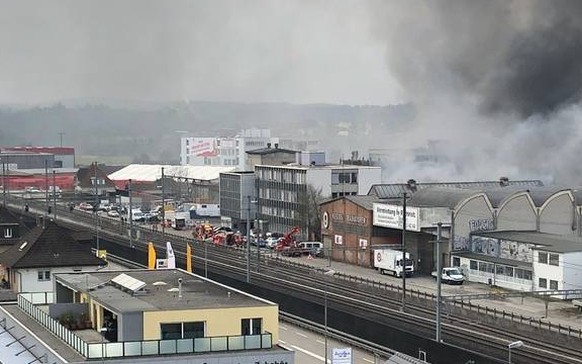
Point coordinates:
[(380, 306), (375, 304)]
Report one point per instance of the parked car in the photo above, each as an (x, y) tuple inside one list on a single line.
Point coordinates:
[(112, 213), (450, 275), (260, 241), (314, 248), (271, 242), (85, 206)]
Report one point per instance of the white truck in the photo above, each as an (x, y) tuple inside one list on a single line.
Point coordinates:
[(389, 260), (450, 275)]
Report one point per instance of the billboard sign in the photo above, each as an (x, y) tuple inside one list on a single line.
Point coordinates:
[(390, 216)]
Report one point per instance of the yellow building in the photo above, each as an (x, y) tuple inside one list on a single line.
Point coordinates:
[(169, 305)]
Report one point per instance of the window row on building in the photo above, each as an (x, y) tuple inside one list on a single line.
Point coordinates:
[(277, 194), (282, 175)]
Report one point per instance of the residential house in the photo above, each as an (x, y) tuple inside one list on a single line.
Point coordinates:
[(30, 264)]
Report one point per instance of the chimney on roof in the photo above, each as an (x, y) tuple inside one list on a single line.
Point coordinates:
[(411, 184), (268, 145), (503, 181), (276, 145)]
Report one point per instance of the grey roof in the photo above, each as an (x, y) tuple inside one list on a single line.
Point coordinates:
[(497, 195), (50, 245), (543, 241), (197, 292), (492, 259), (440, 197), (541, 194), (396, 190), (263, 151), (364, 201)]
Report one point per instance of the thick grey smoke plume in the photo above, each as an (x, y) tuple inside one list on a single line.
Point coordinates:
[(497, 83), (520, 56)]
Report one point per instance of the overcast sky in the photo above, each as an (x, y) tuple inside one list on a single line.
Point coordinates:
[(248, 51)]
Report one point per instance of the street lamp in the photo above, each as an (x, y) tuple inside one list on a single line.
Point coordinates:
[(4, 181), (327, 273), (249, 238), (404, 251), (513, 345), (438, 277)]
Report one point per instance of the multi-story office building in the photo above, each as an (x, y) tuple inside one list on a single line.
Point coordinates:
[(212, 151), (237, 199), (283, 191)]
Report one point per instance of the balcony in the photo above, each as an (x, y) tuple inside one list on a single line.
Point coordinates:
[(92, 350)]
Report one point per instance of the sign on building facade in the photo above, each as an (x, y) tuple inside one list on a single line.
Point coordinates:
[(341, 356), (390, 216)]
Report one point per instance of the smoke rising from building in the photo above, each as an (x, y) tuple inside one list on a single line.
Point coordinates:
[(516, 56), (500, 80)]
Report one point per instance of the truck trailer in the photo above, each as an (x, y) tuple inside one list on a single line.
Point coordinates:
[(390, 260)]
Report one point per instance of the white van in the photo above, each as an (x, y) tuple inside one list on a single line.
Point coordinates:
[(312, 247)]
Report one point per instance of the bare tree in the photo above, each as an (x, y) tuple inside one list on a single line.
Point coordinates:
[(309, 214)]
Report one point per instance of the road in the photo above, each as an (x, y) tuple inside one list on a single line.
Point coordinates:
[(309, 346)]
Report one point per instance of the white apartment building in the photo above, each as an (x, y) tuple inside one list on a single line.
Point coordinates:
[(227, 152)]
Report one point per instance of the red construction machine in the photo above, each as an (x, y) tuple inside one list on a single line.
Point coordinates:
[(287, 242)]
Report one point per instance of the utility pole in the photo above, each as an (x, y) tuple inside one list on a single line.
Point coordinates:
[(96, 209), (130, 214), (163, 206), (61, 138), (438, 277), (46, 196), (54, 195), (404, 251), (4, 181), (248, 239)]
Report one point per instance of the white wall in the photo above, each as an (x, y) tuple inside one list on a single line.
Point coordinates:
[(557, 215), (517, 214), (572, 269), (475, 210), (367, 177), (320, 178), (547, 271), (29, 277)]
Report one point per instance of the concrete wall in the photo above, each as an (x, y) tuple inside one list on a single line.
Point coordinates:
[(368, 177), (517, 213), (29, 277), (547, 271), (130, 326), (473, 215), (572, 274), (320, 179), (557, 215)]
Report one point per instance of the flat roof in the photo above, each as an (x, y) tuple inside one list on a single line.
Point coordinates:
[(543, 241), (161, 292), (492, 259), (317, 166)]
